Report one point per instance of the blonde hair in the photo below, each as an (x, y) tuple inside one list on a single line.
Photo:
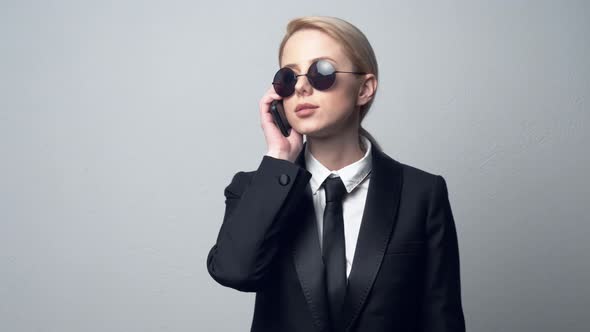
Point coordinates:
[(354, 44)]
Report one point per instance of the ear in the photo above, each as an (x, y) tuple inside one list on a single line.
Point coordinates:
[(366, 89)]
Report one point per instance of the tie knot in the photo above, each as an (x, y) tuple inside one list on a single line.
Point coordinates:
[(335, 189)]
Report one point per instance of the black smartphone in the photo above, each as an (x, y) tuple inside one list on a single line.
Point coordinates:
[(278, 114)]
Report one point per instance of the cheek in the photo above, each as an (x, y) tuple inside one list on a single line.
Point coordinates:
[(289, 105), (345, 93), (339, 102)]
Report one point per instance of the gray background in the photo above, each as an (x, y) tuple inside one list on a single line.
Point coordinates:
[(122, 122)]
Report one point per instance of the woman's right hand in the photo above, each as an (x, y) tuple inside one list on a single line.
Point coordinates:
[(279, 146)]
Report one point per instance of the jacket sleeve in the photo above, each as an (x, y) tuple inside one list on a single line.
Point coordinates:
[(255, 209), (442, 309)]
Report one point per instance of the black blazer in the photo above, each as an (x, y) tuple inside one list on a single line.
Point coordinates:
[(405, 272)]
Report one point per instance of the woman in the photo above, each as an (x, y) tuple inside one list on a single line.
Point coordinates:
[(333, 234)]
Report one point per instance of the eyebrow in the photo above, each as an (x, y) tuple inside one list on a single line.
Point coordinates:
[(293, 65)]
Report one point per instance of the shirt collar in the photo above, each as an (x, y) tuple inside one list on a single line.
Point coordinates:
[(351, 175)]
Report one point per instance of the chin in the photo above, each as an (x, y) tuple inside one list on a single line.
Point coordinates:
[(306, 126), (311, 130)]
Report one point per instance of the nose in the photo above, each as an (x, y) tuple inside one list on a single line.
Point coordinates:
[(302, 86)]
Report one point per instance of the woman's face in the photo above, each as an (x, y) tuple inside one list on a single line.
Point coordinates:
[(337, 109)]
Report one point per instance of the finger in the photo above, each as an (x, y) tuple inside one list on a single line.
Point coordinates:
[(269, 97), (265, 102)]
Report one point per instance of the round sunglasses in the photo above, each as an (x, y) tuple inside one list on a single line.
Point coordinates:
[(321, 75)]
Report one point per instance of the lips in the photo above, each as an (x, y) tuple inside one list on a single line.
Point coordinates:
[(305, 106)]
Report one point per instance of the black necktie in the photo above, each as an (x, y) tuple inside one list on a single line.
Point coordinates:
[(333, 245)]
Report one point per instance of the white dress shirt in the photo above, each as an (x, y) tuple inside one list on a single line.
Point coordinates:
[(355, 177)]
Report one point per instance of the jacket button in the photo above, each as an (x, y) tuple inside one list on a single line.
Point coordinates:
[(284, 179)]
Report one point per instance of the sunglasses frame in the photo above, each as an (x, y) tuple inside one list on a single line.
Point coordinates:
[(310, 79)]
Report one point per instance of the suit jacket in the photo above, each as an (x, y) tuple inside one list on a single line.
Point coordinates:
[(405, 273)]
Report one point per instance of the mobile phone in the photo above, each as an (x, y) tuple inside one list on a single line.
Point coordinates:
[(278, 114)]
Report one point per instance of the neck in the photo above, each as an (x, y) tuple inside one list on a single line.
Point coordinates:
[(337, 151)]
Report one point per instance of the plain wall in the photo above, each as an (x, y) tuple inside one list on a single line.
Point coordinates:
[(121, 122)]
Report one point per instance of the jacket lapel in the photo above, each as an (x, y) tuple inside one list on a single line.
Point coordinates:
[(377, 224)]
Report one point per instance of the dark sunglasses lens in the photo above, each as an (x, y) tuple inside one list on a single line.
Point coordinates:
[(322, 75), (284, 82)]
